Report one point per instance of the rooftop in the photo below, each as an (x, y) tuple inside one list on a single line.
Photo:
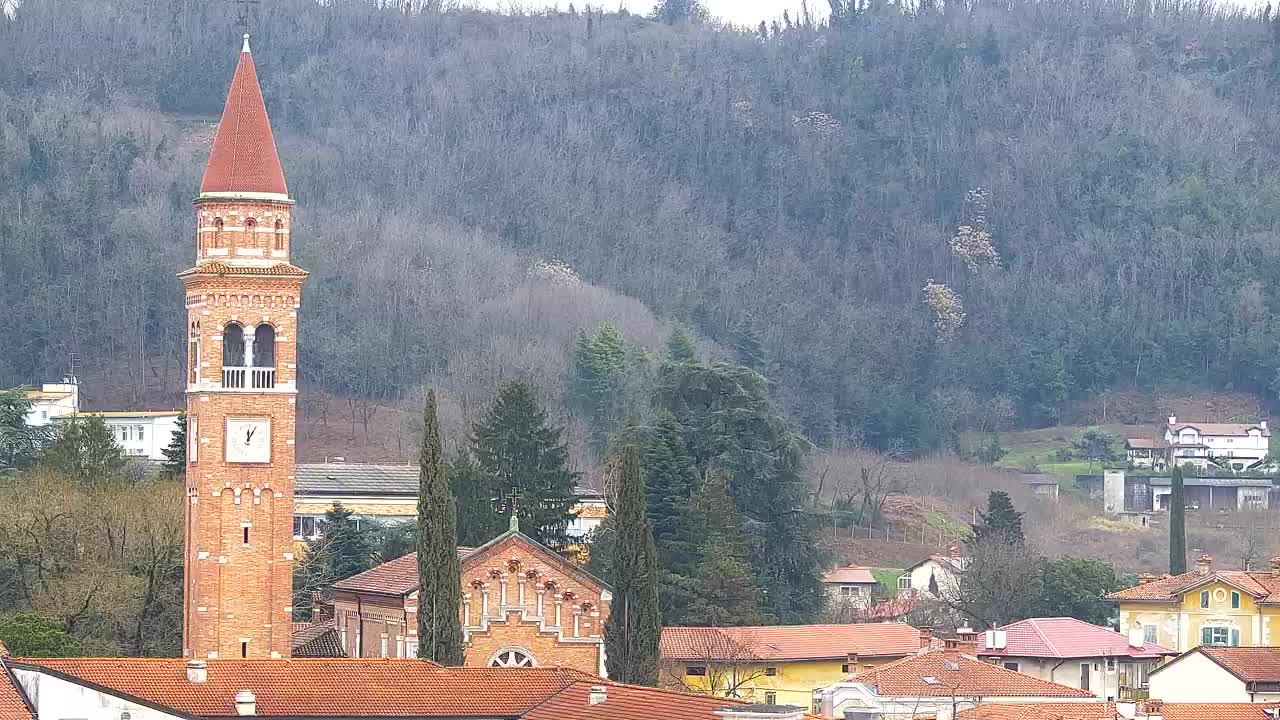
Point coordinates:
[(947, 673), (1212, 428), (394, 577), (316, 640), (1249, 664), (851, 575), (358, 479), (1264, 587), (1040, 711), (1064, 637), (788, 642), (244, 158)]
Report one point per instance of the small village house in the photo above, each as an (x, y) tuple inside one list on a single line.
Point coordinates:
[(52, 401), (852, 584), (936, 684), (1204, 607), (1072, 652), (140, 434), (1220, 674), (1228, 446), (778, 664), (935, 576), (1148, 710)]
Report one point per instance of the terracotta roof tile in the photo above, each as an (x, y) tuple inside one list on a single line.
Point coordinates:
[(1236, 429), (627, 702), (316, 640), (323, 688), (1250, 664), (12, 705), (1216, 711), (1040, 711), (789, 642), (394, 577), (851, 575), (244, 158), (1065, 638), (1264, 586), (217, 267), (958, 674)]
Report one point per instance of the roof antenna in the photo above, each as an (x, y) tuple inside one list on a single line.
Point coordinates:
[(242, 17)]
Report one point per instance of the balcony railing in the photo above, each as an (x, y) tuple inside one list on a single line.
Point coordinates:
[(248, 378)]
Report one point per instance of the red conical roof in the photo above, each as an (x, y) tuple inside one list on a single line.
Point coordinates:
[(244, 158)]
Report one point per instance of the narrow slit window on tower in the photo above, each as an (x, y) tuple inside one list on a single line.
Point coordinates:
[(217, 233), (250, 239), (246, 535), (279, 235), (244, 649)]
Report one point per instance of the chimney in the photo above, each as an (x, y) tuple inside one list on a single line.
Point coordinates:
[(1145, 578), (1173, 419), (926, 637), (1204, 563), (1136, 637), (598, 695), (1275, 566), (852, 660), (965, 641), (1262, 424), (246, 703), (197, 671)]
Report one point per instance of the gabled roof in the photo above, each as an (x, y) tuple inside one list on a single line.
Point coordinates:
[(316, 640), (343, 688), (244, 158), (356, 479), (957, 675), (850, 575), (1232, 429), (788, 642), (13, 704), (1064, 637), (394, 577), (1262, 586), (627, 702), (514, 536), (1040, 711), (1249, 664), (1216, 711), (1145, 444)]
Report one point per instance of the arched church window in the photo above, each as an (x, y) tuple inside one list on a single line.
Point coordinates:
[(264, 346), (217, 233), (279, 235), (512, 658), (250, 238), (233, 345)]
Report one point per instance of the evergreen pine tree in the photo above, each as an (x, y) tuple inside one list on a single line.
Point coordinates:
[(346, 544), (175, 454), (747, 343), (600, 362), (1177, 524), (521, 452), (439, 574), (20, 443), (680, 347), (726, 592), (632, 630), (1000, 521), (669, 483), (84, 449), (474, 493)]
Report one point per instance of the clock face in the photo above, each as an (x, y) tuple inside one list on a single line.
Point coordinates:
[(248, 440)]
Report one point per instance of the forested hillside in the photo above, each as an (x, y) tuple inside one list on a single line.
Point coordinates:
[(913, 223)]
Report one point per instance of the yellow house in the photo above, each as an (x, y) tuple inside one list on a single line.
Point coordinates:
[(779, 664), (1228, 608)]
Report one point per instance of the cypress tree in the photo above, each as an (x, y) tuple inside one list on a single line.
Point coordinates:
[(439, 575), (631, 633), (1177, 524)]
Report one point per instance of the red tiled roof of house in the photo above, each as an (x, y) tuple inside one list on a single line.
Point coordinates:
[(323, 687), (1235, 429), (316, 640), (1040, 711), (789, 642), (394, 577), (851, 575), (12, 704), (1064, 637), (1263, 586), (1216, 711), (244, 158), (1250, 664), (627, 702), (958, 675)]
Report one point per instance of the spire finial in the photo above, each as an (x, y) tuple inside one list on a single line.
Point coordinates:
[(245, 49), (514, 525)]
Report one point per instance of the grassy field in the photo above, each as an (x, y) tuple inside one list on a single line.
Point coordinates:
[(887, 577)]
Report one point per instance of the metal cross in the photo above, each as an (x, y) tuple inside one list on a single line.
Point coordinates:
[(242, 12), (507, 504)]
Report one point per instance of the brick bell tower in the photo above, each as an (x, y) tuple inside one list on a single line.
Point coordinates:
[(242, 301)]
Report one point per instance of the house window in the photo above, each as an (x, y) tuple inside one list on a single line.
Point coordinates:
[(771, 698), (904, 582), (1111, 665), (1235, 601), (695, 670), (1204, 599), (411, 648), (304, 527), (1149, 633), (844, 668), (141, 433), (384, 646), (1219, 635), (1011, 666), (770, 671), (1084, 676), (845, 591)]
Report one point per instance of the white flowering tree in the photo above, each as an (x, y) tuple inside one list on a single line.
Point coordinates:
[(947, 308)]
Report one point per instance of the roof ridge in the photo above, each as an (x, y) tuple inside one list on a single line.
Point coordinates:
[(1045, 638)]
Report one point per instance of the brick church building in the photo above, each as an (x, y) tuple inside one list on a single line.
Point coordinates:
[(522, 606)]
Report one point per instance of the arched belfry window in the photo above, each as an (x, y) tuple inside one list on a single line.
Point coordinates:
[(250, 236), (279, 235), (217, 233), (233, 345), (264, 346)]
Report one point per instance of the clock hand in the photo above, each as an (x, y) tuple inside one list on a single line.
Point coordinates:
[(248, 435)]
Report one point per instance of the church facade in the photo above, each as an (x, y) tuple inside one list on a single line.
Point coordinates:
[(523, 605), (242, 300)]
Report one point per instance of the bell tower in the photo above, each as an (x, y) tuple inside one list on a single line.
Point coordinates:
[(242, 299)]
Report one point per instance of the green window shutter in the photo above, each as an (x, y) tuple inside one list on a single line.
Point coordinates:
[(1235, 638), (1206, 636)]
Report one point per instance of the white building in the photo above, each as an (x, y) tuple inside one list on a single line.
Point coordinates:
[(1220, 674), (1231, 446), (52, 401), (853, 584), (142, 434), (934, 577)]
